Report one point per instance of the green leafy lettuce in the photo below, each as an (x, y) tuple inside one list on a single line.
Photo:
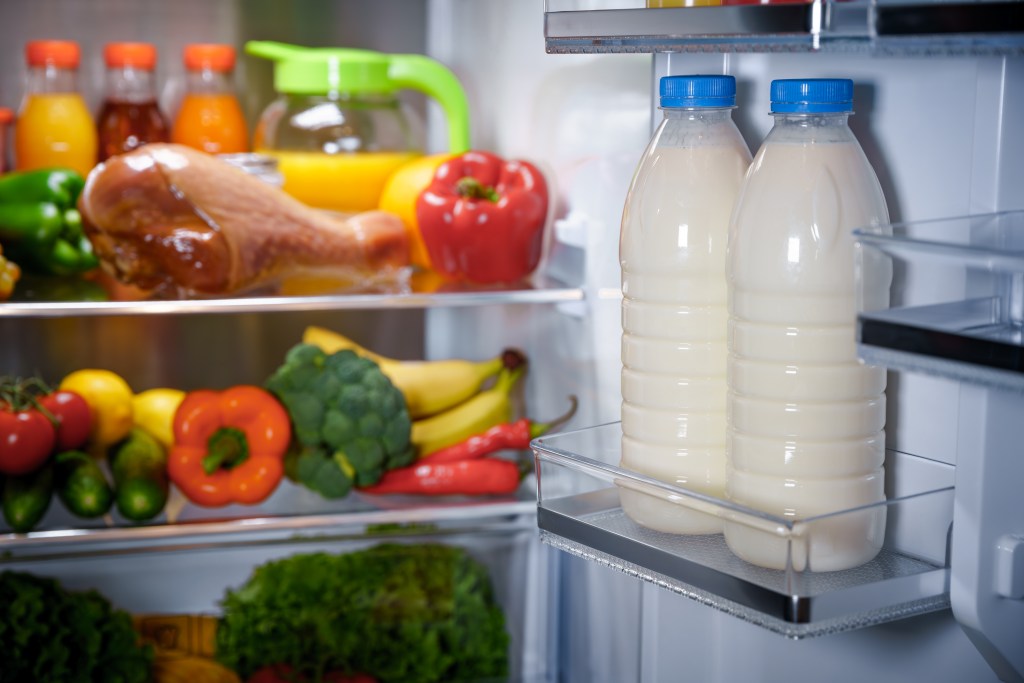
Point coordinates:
[(51, 634), (400, 613)]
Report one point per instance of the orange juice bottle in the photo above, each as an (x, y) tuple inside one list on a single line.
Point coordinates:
[(54, 126), (210, 117)]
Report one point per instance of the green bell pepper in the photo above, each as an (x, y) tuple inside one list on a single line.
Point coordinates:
[(57, 185), (39, 224)]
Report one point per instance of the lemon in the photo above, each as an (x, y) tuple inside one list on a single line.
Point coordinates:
[(154, 412), (110, 399), (401, 190)]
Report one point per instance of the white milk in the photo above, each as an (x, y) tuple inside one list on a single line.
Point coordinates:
[(806, 418), (674, 315)]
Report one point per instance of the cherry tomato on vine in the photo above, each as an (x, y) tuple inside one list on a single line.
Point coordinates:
[(27, 438), (73, 415)]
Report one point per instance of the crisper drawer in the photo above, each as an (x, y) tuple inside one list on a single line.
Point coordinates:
[(447, 590), (581, 489)]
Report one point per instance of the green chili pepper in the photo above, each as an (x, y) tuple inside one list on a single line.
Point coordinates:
[(57, 185)]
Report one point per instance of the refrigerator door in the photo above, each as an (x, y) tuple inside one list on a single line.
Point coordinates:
[(935, 155)]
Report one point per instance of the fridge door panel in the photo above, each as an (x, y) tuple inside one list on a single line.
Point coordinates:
[(691, 642)]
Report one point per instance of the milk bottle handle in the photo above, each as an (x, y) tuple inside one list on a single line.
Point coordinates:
[(437, 81)]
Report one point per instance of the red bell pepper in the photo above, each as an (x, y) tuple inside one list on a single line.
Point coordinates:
[(229, 446), (482, 218)]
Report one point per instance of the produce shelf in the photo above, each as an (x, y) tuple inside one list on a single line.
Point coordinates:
[(580, 493), (930, 27), (969, 325), (538, 290), (291, 515)]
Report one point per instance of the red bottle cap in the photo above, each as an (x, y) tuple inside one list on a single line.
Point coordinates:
[(63, 54), (6, 116), (209, 56), (134, 55)]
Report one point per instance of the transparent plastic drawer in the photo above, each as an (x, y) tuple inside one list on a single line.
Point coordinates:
[(956, 305), (437, 581), (581, 495)]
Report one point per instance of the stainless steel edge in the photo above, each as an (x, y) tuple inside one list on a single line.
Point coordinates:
[(690, 21), (297, 303), (776, 605), (985, 28)]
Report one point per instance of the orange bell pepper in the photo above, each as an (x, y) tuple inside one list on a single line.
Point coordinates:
[(229, 446)]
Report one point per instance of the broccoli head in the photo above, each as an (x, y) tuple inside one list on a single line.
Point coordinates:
[(350, 422)]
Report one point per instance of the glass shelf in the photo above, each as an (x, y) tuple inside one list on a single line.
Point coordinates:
[(581, 489), (292, 514), (537, 290), (967, 320), (923, 27)]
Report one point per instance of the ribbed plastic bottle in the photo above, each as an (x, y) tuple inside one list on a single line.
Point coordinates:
[(210, 117), (806, 418), (54, 125), (672, 253), (130, 116)]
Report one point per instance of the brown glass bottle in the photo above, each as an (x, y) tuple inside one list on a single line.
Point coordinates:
[(130, 116)]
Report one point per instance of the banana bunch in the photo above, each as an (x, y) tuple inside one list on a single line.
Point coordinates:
[(446, 399)]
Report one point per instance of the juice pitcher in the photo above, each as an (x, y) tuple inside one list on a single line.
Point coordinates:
[(338, 129)]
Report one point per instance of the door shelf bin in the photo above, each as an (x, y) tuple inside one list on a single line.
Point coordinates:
[(580, 493), (956, 306)]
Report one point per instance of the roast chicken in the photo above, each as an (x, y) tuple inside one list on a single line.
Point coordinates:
[(174, 220)]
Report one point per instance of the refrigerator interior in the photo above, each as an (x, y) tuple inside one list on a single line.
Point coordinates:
[(939, 130)]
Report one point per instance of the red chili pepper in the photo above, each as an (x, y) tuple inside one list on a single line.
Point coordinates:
[(516, 434), (482, 218), (467, 477)]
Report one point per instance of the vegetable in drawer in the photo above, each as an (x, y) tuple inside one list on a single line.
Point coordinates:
[(420, 613), (48, 633)]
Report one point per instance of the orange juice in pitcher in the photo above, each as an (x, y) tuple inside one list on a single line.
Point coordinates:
[(341, 182)]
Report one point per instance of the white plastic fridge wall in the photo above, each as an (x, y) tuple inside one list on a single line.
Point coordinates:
[(940, 133)]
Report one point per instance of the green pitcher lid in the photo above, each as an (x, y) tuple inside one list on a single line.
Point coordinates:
[(322, 70), (326, 70)]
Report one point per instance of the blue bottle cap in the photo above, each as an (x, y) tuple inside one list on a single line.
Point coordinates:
[(698, 91), (812, 95)]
